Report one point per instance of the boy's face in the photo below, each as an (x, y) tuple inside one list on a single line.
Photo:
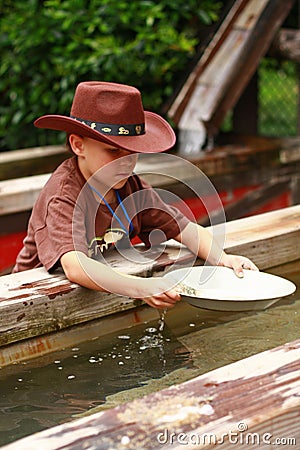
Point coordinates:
[(94, 156)]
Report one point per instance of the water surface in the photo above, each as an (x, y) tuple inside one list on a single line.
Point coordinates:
[(118, 367)]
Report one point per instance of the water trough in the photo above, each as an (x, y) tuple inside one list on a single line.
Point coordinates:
[(261, 392)]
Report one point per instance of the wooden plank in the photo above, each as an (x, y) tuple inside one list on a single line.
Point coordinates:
[(72, 336), (269, 239), (290, 151), (231, 405), (251, 14), (263, 226), (260, 158), (221, 34), (216, 74), (34, 302), (210, 87), (20, 194), (31, 161)]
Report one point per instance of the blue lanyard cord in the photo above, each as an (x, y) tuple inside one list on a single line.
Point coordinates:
[(124, 211), (113, 212)]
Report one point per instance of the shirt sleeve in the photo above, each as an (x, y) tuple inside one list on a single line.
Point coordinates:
[(62, 231)]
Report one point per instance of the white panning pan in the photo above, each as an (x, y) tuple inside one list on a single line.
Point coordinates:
[(219, 288)]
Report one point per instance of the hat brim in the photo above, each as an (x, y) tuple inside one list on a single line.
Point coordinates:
[(159, 136)]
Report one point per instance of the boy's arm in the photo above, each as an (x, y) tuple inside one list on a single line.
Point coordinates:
[(92, 274), (200, 241)]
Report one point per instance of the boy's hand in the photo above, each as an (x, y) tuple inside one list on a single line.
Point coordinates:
[(159, 292), (164, 300), (237, 263)]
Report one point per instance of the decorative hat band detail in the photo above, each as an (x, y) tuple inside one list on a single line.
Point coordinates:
[(114, 129)]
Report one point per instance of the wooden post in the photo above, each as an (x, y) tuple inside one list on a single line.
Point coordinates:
[(245, 113)]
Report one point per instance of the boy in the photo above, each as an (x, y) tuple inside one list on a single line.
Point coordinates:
[(81, 211)]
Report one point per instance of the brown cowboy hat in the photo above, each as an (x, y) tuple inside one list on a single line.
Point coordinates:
[(113, 113)]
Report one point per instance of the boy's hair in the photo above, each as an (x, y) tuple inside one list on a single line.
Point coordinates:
[(68, 145)]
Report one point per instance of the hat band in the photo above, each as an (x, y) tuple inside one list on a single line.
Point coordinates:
[(114, 129)]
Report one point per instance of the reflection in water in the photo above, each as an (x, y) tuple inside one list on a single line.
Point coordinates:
[(78, 379), (107, 371)]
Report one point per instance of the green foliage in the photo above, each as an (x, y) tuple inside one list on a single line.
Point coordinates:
[(49, 46)]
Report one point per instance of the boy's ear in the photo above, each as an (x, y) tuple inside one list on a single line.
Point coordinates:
[(76, 144)]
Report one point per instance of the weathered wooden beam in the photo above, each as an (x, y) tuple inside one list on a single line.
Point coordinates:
[(270, 239), (252, 402), (218, 80), (45, 344), (34, 302), (177, 108), (257, 159), (20, 194), (31, 161), (255, 47)]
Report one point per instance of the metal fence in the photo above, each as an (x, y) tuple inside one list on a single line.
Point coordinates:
[(277, 98), (278, 94)]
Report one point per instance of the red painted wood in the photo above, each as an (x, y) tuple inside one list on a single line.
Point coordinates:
[(11, 244)]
